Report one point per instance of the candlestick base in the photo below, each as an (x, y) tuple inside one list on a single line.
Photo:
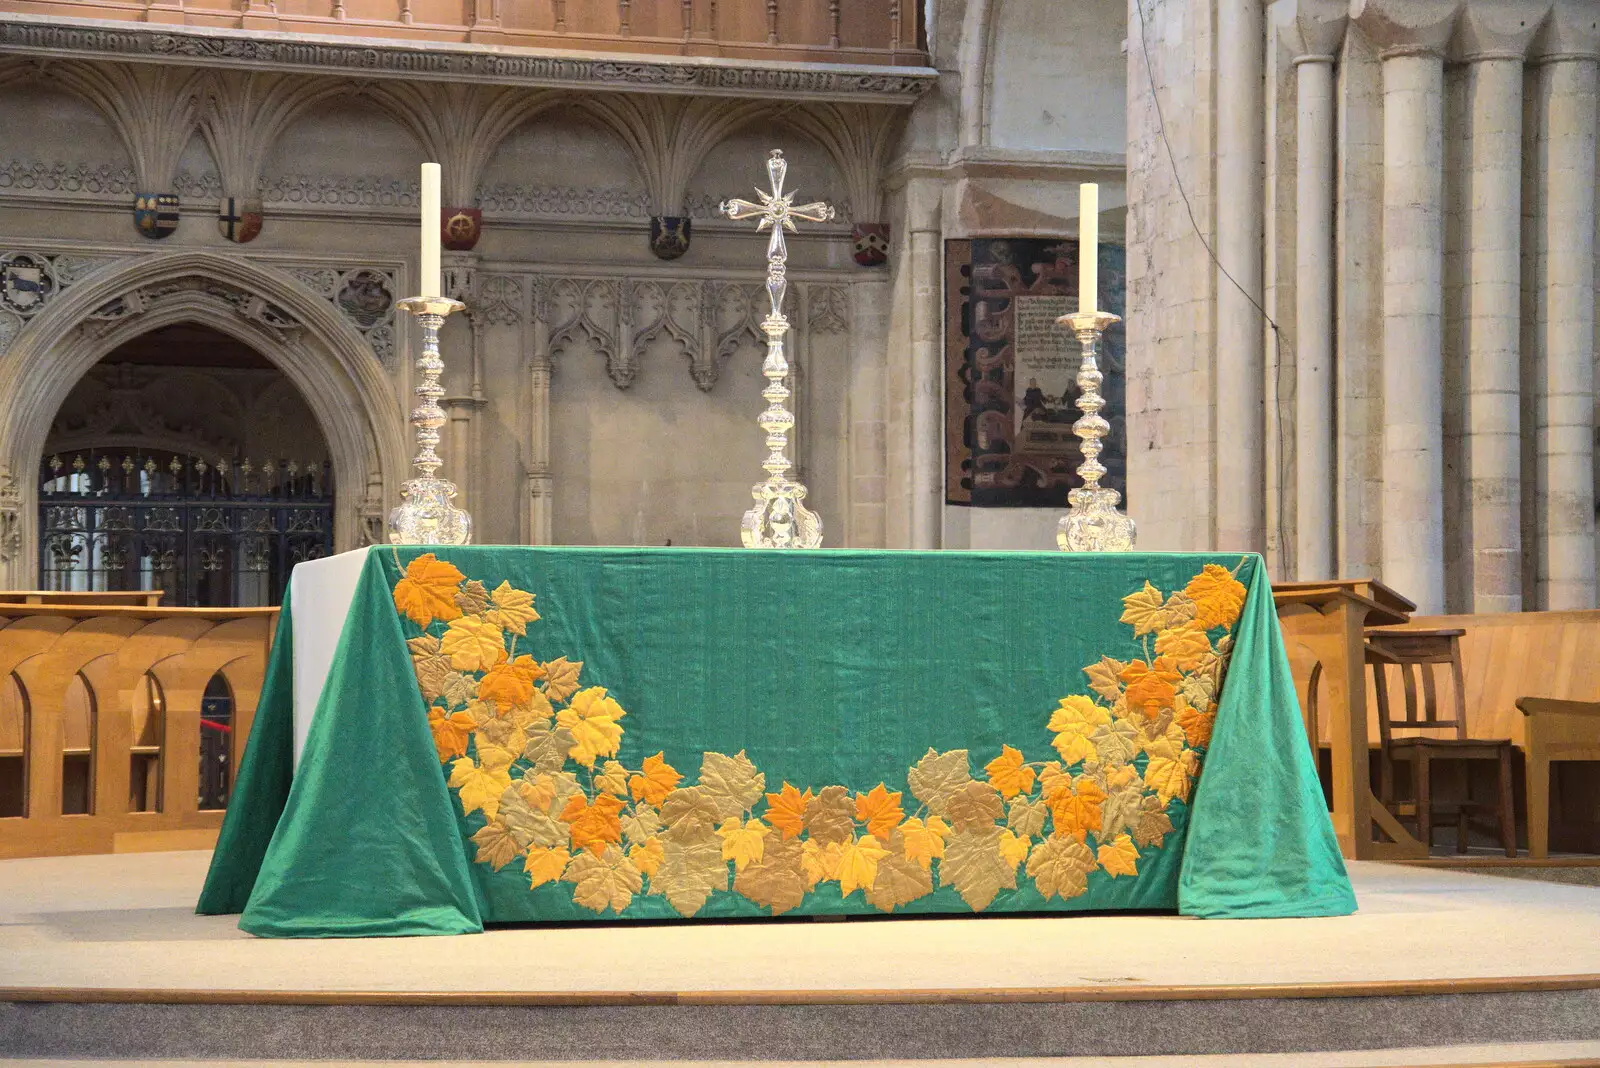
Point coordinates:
[(1092, 523), (426, 514)]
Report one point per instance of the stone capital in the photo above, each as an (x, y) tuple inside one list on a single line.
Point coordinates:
[(1499, 30), (1317, 32), (1570, 31), (1407, 27)]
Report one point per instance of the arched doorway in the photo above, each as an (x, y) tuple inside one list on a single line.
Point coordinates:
[(356, 405), (184, 461)]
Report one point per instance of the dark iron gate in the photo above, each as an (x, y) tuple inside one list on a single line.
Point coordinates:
[(216, 534)]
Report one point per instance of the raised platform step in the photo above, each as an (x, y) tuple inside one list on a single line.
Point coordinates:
[(102, 957)]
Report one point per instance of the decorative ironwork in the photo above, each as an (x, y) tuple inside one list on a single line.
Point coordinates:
[(221, 533), (780, 519)]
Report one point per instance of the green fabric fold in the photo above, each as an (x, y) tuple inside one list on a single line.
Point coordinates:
[(1260, 842)]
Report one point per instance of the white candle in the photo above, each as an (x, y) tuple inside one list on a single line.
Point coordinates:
[(1088, 246), (431, 224)]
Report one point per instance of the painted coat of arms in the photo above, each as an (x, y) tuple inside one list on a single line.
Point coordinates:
[(25, 283), (155, 214), (239, 219)]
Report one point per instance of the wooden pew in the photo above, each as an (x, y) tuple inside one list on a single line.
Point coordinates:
[(100, 721)]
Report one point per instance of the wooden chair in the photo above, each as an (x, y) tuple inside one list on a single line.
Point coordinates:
[(1557, 730), (1418, 654)]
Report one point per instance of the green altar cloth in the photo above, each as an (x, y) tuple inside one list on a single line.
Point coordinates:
[(564, 734)]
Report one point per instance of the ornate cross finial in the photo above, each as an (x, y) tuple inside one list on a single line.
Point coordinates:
[(780, 519)]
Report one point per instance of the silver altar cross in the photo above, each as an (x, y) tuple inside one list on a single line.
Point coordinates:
[(780, 519)]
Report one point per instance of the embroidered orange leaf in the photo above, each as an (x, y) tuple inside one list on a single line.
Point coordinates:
[(879, 810), (450, 732), (858, 864), (472, 645), (654, 781), (924, 840), (545, 865), (1151, 687), (1119, 856), (1144, 610), (513, 608), (1008, 774), (592, 719), (511, 683), (786, 810), (561, 678), (1217, 595), (742, 842), (592, 826), (1184, 646), (647, 855), (1077, 811), (1196, 724), (1074, 723), (428, 590)]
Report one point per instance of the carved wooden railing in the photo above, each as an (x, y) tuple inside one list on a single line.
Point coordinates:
[(817, 31), (102, 725)]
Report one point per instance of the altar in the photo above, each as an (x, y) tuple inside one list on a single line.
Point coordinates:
[(459, 736)]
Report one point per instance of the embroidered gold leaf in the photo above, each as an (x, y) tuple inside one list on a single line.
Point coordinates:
[(450, 732), (1164, 738), (423, 646), (820, 862), (642, 824), (655, 780), (472, 598), (900, 881), (922, 841), (1124, 797), (742, 842), (594, 825), (529, 824), (496, 846), (510, 683), (472, 645), (547, 748), (1185, 646), (1170, 778), (732, 781), (786, 810), (858, 864), (830, 816), (690, 872), (1060, 867), (937, 775), (1154, 823), (1199, 690), (613, 779), (1180, 609), (777, 879), (1013, 848), (1119, 856), (1218, 596), (1115, 742), (481, 786), (436, 679), (1026, 818), (1144, 610), (974, 806), (1008, 774), (561, 678), (1074, 724), (513, 608), (428, 590), (974, 865), (592, 719), (647, 855), (533, 714), (545, 865), (604, 880), (879, 810), (1076, 811), (1105, 678), (690, 813)]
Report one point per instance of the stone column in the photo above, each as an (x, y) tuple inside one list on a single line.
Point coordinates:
[(1240, 356), (927, 378), (1413, 320), (1494, 323), (867, 452), (541, 483), (1313, 335), (1564, 360)]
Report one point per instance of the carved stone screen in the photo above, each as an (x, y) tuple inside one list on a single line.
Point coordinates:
[(1010, 372)]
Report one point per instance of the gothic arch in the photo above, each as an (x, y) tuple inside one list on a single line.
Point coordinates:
[(327, 360)]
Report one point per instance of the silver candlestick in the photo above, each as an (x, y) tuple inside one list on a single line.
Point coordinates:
[(1092, 522), (426, 514), (780, 519)]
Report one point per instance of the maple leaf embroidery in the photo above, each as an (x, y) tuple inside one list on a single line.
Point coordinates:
[(561, 678), (786, 810), (428, 590), (654, 781), (1119, 856), (605, 880), (511, 683), (1008, 774), (592, 720), (879, 810), (593, 826), (1217, 595), (512, 608), (472, 645), (742, 842), (450, 732)]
